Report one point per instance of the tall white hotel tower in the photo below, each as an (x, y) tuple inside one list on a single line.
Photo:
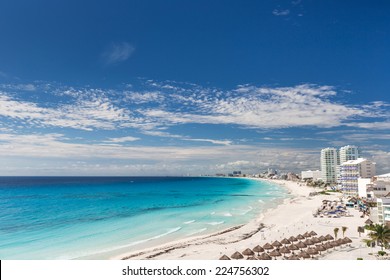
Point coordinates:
[(330, 162), (349, 153)]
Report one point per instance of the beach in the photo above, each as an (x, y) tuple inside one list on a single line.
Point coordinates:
[(292, 217)]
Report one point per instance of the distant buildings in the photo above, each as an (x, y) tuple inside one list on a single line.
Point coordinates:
[(384, 210), (351, 171), (309, 174)]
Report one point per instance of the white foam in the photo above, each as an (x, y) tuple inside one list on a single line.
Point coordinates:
[(189, 222), (227, 214), (261, 201), (198, 231), (215, 223)]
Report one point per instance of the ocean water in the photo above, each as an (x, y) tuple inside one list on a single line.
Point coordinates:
[(102, 217)]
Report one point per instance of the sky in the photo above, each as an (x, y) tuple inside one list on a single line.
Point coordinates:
[(183, 87)]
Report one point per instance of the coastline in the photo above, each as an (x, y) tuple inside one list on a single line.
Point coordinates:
[(292, 217)]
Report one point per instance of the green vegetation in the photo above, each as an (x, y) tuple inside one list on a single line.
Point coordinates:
[(336, 230), (379, 234), (359, 259), (344, 229)]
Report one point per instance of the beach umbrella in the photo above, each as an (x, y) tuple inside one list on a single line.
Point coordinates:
[(327, 245), (312, 233), (308, 242), (277, 244), (304, 255), (293, 258), (347, 240), (293, 239), (340, 241), (293, 247), (275, 253), (301, 245), (268, 246), (224, 258), (329, 237), (264, 256), (248, 252), (320, 248), (368, 222), (334, 243), (252, 258), (237, 256), (322, 238), (306, 235), (312, 251), (315, 240), (284, 250), (285, 241), (258, 249), (300, 237)]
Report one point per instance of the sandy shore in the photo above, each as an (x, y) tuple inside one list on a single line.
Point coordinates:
[(292, 217)]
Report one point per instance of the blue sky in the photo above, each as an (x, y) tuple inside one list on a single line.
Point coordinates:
[(190, 87)]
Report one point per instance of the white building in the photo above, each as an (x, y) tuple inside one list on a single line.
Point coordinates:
[(351, 171), (384, 210), (330, 165), (364, 185), (349, 153), (309, 174)]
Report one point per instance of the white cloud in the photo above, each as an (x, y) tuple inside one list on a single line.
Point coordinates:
[(217, 142), (118, 52), (122, 139), (278, 12)]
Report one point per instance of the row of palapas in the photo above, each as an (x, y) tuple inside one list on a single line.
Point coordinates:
[(307, 246)]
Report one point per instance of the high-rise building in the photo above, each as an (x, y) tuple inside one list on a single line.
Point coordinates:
[(330, 162), (351, 171), (349, 153)]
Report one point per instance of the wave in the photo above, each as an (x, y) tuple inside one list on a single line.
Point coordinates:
[(261, 201), (189, 222), (227, 214), (212, 213), (197, 231), (216, 223)]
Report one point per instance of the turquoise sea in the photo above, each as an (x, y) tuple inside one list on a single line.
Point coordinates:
[(102, 217)]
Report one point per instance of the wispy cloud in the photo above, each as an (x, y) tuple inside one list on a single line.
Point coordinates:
[(279, 12), (118, 52), (122, 139)]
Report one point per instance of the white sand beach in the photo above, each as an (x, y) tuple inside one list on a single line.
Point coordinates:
[(294, 216)]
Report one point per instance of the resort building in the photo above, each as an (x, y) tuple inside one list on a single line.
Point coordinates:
[(309, 174), (349, 153), (384, 210), (329, 165), (351, 171)]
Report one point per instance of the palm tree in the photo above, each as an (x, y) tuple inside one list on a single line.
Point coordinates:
[(344, 229), (381, 234), (336, 230)]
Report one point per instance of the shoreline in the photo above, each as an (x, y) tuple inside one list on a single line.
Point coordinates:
[(291, 217)]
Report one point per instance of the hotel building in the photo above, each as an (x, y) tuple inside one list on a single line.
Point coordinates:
[(349, 153), (351, 171), (384, 210), (329, 165)]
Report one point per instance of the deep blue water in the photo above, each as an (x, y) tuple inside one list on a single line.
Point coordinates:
[(100, 217)]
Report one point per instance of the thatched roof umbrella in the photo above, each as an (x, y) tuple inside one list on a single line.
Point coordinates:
[(268, 246), (224, 257), (306, 235), (320, 248), (329, 237), (312, 251), (304, 255), (368, 222), (334, 243), (300, 237), (293, 247), (328, 245), (293, 239), (275, 253), (340, 241), (264, 256), (252, 258), (312, 233), (285, 241), (347, 240), (301, 245), (315, 240), (277, 244), (322, 238), (248, 252), (258, 249), (293, 258), (308, 242), (284, 250), (237, 256)]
